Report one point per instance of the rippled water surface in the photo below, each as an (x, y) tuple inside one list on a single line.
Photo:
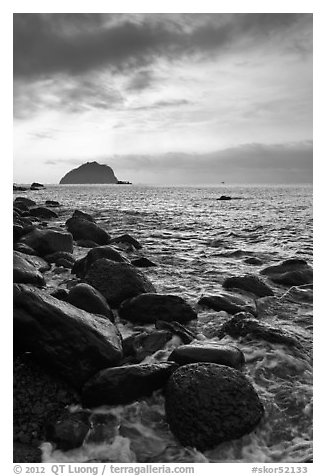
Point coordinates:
[(197, 241)]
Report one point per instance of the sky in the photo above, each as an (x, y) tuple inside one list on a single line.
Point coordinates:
[(164, 98)]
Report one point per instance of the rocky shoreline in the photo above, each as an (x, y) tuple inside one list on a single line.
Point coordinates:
[(69, 350)]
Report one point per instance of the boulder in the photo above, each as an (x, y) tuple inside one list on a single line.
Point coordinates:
[(177, 329), (121, 385), (224, 197), (24, 272), (244, 324), (228, 303), (81, 228), (21, 207), (39, 263), (148, 308), (291, 272), (48, 241), (61, 294), (85, 216), (59, 256), (143, 263), (250, 283), (18, 232), (126, 240), (199, 351), (82, 266), (117, 281), (75, 343), (36, 186), (42, 212), (86, 243), (89, 299), (52, 203), (25, 200), (139, 346), (70, 430), (207, 404), (22, 248)]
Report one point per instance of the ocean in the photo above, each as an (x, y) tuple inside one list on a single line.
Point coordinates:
[(197, 241)]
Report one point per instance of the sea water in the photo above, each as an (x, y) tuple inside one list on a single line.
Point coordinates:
[(197, 241)]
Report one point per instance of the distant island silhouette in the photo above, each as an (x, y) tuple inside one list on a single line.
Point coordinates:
[(91, 173)]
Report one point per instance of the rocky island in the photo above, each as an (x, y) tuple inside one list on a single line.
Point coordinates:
[(91, 173)]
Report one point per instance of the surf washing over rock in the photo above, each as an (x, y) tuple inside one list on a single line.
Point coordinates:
[(204, 357)]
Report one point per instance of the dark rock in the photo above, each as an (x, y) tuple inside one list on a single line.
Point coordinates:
[(127, 240), (42, 212), (224, 197), (48, 241), (148, 308), (73, 342), (292, 272), (137, 347), (18, 188), (89, 299), (27, 201), (83, 215), (87, 230), (244, 324), (226, 302), (91, 172), (61, 294), (36, 186), (59, 255), (177, 329), (38, 397), (86, 243), (21, 206), (254, 261), (300, 294), (250, 283), (117, 281), (22, 248), (142, 263), (104, 428), (24, 272), (69, 431), (18, 232), (121, 385), (199, 351), (207, 404), (39, 263), (52, 203), (82, 266)]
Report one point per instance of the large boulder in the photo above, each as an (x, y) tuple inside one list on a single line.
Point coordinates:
[(143, 263), (149, 308), (126, 240), (291, 272), (117, 281), (52, 203), (82, 266), (69, 430), (75, 343), (27, 201), (25, 272), (207, 404), (82, 229), (85, 216), (244, 324), (139, 346), (42, 212), (89, 299), (186, 335), (226, 302), (199, 351), (120, 385), (250, 283), (47, 241), (39, 263)]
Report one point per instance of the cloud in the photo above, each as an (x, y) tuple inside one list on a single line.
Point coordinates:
[(163, 104), (73, 44)]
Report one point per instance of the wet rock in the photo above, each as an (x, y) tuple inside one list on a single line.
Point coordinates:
[(228, 303), (244, 324), (58, 256), (21, 207), (73, 342), (148, 308), (89, 299), (104, 428), (137, 347), (27, 201), (38, 397), (86, 243), (69, 431), (143, 263), (199, 351), (120, 385), (299, 294), (85, 216), (292, 272), (117, 281), (224, 197), (39, 263), (250, 283), (254, 261), (23, 248), (52, 203), (48, 241), (126, 240), (36, 186), (82, 266), (61, 294), (42, 212), (24, 272), (82, 229), (177, 329), (207, 404), (18, 232)]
